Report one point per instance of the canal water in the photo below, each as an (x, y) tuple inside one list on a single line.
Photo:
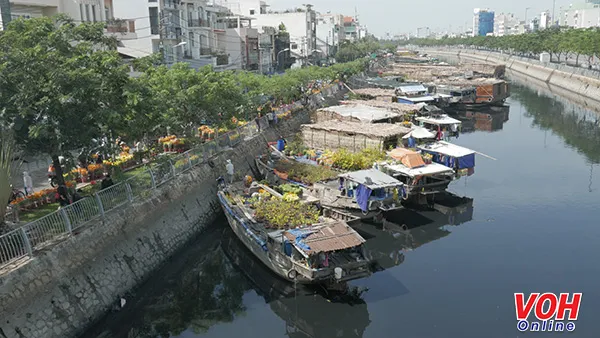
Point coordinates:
[(529, 222)]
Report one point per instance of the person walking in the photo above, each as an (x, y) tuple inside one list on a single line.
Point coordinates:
[(27, 184), (229, 168)]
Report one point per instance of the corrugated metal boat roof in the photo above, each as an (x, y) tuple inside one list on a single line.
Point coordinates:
[(331, 237)]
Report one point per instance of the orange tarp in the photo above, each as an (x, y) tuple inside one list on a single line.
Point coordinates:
[(408, 157)]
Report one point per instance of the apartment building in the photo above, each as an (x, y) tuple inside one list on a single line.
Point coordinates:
[(79, 10), (300, 23)]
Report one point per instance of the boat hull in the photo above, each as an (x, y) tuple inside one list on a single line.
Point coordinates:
[(279, 264), (279, 268)]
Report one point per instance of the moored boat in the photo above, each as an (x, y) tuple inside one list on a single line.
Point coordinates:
[(419, 177), (323, 251), (461, 159), (363, 193)]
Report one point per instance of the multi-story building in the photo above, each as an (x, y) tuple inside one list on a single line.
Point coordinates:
[(241, 42), (266, 49), (330, 32), (534, 25), (79, 10), (582, 15), (300, 23), (545, 20), (506, 24), (483, 22)]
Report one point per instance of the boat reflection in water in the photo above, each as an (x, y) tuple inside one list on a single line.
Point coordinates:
[(407, 229), (489, 120), (308, 310)]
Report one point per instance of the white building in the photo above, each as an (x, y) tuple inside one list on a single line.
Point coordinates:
[(330, 32), (505, 24), (583, 15), (80, 11), (300, 23), (545, 20)]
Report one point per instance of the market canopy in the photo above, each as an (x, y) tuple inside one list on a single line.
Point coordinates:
[(409, 158)]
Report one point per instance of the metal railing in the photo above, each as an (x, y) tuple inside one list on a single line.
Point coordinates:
[(60, 224)]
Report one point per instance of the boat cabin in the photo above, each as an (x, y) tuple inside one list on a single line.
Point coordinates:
[(418, 176), (314, 249), (353, 136), (413, 93), (461, 159), (357, 113), (440, 122), (368, 190), (455, 94)]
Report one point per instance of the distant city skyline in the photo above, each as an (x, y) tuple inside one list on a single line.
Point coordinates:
[(403, 16)]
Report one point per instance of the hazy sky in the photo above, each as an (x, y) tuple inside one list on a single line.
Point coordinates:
[(403, 16)]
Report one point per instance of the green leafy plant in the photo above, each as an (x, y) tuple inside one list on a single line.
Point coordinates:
[(305, 173), (282, 214)]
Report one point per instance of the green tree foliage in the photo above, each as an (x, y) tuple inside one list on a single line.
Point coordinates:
[(350, 51), (556, 41), (55, 93), (62, 85)]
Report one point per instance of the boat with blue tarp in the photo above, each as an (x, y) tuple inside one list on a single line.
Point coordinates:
[(461, 159), (323, 251)]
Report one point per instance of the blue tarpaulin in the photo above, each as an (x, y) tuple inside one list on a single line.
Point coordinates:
[(362, 197), (300, 235), (280, 144), (467, 161), (412, 143)]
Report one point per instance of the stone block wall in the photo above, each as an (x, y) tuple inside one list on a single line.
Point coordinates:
[(62, 291)]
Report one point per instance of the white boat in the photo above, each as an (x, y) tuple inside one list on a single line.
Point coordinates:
[(461, 159), (419, 178)]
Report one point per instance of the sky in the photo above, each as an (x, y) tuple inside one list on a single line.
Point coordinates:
[(404, 16)]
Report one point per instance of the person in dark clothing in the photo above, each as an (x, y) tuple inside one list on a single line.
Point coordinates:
[(106, 182), (63, 195)]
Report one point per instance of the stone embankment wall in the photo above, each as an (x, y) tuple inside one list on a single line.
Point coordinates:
[(63, 290), (581, 81)]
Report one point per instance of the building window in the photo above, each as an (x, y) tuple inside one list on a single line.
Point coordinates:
[(94, 13), (81, 12), (192, 42), (294, 46), (106, 13), (251, 12), (153, 11)]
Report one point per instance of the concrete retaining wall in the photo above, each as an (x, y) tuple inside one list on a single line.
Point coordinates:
[(60, 292), (576, 80)]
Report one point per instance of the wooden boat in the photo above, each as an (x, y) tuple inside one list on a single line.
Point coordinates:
[(363, 193), (419, 178), (328, 252), (461, 159)]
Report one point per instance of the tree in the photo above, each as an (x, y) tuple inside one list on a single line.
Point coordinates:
[(61, 84), (7, 152)]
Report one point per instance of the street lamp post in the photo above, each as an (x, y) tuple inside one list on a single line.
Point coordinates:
[(281, 51)]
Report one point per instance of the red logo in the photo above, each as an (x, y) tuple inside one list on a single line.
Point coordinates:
[(550, 310)]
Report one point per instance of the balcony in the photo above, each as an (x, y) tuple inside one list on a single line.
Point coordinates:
[(198, 23), (171, 4), (220, 25), (121, 29)]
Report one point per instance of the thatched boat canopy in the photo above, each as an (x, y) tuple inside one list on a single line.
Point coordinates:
[(383, 130), (353, 136)]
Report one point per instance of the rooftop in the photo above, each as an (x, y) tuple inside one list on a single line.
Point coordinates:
[(362, 112), (447, 149), (372, 179), (393, 106), (375, 130), (429, 169), (326, 238)]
